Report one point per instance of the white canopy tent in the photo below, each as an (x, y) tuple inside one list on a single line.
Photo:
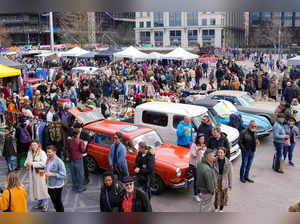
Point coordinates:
[(294, 61), (132, 53), (155, 56), (180, 54), (74, 52)]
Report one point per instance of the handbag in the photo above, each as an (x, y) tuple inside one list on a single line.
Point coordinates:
[(9, 203)]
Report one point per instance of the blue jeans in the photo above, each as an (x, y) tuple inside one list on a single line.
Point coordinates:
[(194, 172), (44, 202), (10, 163), (77, 174), (289, 150), (279, 150), (247, 159)]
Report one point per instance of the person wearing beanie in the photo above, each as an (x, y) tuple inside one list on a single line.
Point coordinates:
[(207, 181)]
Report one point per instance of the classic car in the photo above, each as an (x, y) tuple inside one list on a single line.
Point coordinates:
[(221, 110), (244, 102), (171, 162)]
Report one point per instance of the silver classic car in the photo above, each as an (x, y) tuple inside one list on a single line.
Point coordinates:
[(244, 102)]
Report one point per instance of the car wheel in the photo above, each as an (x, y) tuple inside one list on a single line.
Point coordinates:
[(92, 165), (157, 185)]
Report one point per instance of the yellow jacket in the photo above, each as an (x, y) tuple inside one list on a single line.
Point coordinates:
[(18, 200)]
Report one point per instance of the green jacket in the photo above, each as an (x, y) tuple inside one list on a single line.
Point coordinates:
[(207, 180)]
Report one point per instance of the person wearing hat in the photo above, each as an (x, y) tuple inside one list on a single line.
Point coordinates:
[(289, 93), (117, 156), (207, 181), (279, 139), (133, 199), (292, 130), (144, 168), (9, 151)]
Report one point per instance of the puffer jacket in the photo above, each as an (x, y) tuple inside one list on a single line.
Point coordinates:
[(207, 181)]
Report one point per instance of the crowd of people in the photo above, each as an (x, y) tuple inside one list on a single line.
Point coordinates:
[(39, 128)]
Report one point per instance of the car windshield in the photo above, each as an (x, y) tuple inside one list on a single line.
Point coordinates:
[(197, 120), (224, 108), (151, 138), (246, 100)]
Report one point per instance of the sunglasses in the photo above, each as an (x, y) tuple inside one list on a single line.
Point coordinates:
[(128, 184)]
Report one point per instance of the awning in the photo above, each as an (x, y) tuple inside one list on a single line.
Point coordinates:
[(8, 72)]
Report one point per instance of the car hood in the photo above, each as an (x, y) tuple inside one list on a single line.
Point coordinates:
[(232, 133), (268, 107), (259, 120), (173, 155)]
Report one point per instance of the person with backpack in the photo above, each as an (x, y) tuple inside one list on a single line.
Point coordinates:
[(14, 197), (110, 195), (23, 138), (55, 135), (9, 151), (144, 168)]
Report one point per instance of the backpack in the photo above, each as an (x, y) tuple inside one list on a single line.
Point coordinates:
[(55, 133), (24, 135)]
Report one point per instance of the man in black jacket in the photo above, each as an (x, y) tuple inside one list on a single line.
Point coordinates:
[(247, 144), (289, 93), (133, 200), (218, 140), (144, 168), (110, 196), (205, 127)]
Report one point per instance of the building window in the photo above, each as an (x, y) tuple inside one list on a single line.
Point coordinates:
[(141, 24), (277, 18), (288, 19), (159, 38), (266, 18), (175, 19), (212, 22), (148, 24), (192, 37), (145, 37), (208, 38), (297, 19), (158, 19), (192, 18), (175, 37), (255, 19), (204, 22)]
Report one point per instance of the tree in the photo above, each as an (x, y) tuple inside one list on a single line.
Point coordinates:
[(268, 35), (79, 27), (5, 38)]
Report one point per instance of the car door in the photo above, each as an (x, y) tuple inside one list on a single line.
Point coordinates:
[(99, 149)]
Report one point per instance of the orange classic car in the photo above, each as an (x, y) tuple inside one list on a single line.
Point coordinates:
[(171, 162)]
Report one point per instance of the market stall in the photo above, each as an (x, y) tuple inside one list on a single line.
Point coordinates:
[(74, 52), (180, 54), (131, 53)]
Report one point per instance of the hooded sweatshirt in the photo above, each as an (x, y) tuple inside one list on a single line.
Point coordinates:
[(184, 137)]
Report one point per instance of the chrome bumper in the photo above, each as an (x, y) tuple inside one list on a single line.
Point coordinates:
[(235, 151), (183, 184), (264, 133)]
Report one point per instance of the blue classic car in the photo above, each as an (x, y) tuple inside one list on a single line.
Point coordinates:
[(221, 110)]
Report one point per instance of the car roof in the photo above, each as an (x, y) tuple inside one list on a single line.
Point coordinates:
[(228, 93), (111, 127), (173, 108)]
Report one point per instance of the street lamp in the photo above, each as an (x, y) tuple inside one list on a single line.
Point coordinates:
[(50, 14)]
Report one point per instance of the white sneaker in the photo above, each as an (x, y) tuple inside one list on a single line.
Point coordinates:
[(196, 198), (220, 210), (216, 210)]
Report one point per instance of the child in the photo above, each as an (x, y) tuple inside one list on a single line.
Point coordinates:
[(9, 152)]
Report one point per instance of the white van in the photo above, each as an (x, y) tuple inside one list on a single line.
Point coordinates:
[(164, 117)]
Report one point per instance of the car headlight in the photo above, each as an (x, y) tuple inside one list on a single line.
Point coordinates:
[(178, 172)]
